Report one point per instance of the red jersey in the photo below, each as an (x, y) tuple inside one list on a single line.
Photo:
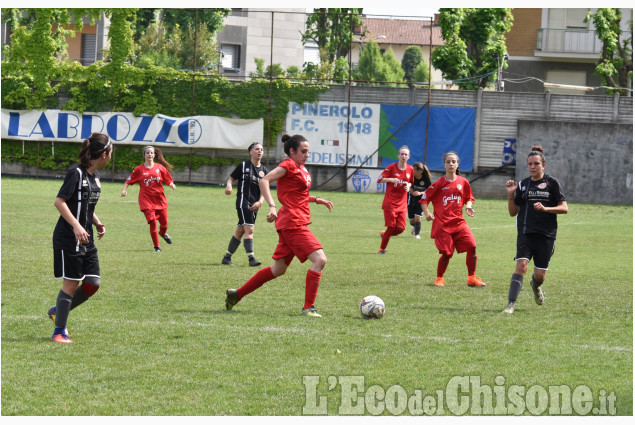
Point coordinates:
[(448, 199), (151, 196), (293, 194), (396, 197)]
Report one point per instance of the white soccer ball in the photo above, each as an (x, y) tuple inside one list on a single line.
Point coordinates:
[(372, 307)]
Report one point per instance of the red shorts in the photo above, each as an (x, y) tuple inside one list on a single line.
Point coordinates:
[(153, 215), (395, 219), (462, 240), (295, 242)]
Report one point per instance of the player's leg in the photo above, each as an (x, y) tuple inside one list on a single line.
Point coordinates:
[(162, 216), (444, 243), (544, 250), (390, 221), (464, 242), (250, 218), (418, 213), (151, 219), (69, 268), (91, 282), (234, 242), (522, 258)]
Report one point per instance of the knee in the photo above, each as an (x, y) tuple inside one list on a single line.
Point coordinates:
[(398, 231), (446, 255), (90, 285), (539, 275)]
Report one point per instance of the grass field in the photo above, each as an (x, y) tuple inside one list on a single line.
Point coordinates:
[(156, 339)]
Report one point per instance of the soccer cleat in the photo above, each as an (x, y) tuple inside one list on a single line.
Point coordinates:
[(253, 262), (539, 297), (381, 252), (61, 337), (227, 260), (167, 238), (52, 311), (510, 307), (439, 281), (157, 249), (382, 233), (232, 298), (475, 281), (417, 236), (311, 312)]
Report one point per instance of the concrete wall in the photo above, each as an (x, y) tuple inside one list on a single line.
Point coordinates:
[(593, 161)]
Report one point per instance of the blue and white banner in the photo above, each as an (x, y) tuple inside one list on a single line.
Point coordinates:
[(199, 131)]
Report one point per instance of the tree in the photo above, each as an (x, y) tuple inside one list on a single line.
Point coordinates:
[(330, 29), (394, 71), (371, 64), (412, 57), (422, 73), (616, 61), (472, 37)]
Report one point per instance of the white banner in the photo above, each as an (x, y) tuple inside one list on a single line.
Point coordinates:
[(326, 125), (123, 127)]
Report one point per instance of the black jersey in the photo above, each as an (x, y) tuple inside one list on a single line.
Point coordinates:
[(247, 177), (420, 185), (81, 191), (547, 191)]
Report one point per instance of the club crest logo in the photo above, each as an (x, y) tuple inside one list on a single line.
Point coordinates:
[(459, 186), (542, 185)]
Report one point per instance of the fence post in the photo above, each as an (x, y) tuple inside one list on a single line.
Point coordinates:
[(477, 127), (37, 163), (547, 104), (616, 106)]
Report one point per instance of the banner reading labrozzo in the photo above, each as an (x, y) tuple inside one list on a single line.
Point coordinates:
[(199, 131)]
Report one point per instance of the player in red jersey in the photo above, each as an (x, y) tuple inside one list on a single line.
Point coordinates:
[(151, 175), (449, 229), (292, 220), (398, 177)]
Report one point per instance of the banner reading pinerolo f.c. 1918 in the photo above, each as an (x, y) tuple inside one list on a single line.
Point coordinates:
[(368, 136), (123, 127)]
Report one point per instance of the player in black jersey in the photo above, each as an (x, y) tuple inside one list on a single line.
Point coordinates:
[(422, 182), (534, 201), (248, 202), (75, 253)]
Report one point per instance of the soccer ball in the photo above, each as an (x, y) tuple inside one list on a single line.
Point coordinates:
[(372, 307)]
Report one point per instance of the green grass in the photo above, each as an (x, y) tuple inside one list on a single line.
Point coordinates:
[(156, 339)]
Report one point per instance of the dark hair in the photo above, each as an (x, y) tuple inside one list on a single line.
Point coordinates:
[(292, 142), (537, 150), (419, 166), (458, 173), (158, 157), (253, 145), (93, 147)]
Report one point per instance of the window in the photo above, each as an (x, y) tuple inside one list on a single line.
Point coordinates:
[(231, 56), (89, 49)]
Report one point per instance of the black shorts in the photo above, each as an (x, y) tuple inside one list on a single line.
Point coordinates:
[(414, 210), (246, 217), (535, 245), (73, 265)]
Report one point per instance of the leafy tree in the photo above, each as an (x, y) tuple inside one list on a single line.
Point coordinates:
[(412, 57), (371, 65), (330, 29), (213, 19), (472, 37), (394, 71), (422, 72), (616, 61)]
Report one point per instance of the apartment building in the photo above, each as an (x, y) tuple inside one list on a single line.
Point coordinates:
[(554, 45)]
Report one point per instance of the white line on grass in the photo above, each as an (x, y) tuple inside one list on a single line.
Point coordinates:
[(441, 339)]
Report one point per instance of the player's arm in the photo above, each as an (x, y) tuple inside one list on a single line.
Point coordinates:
[(426, 212), (228, 186), (265, 191), (511, 186), (81, 235), (561, 208), (322, 201), (101, 229)]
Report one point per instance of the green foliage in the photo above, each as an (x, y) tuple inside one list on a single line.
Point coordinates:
[(375, 68), (616, 61), (422, 72), (471, 37), (61, 155), (32, 78), (212, 19), (331, 29), (412, 57)]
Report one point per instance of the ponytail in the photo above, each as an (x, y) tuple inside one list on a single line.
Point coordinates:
[(158, 157)]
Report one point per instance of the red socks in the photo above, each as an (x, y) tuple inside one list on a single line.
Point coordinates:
[(386, 238), (260, 278), (311, 289), (470, 262), (442, 265)]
